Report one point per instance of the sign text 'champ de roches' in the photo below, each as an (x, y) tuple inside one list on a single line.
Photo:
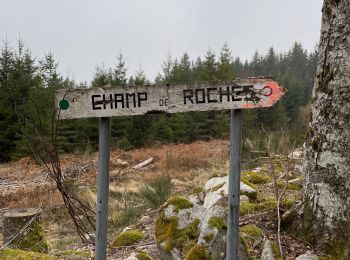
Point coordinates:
[(173, 98)]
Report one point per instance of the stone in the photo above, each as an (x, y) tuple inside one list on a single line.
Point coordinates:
[(144, 220), (197, 227), (132, 257), (267, 253), (194, 199), (217, 188), (201, 196), (244, 198)]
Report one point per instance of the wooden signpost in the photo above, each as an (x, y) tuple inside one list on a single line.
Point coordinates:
[(172, 98)]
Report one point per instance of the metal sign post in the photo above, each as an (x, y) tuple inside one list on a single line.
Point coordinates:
[(106, 102), (102, 187), (232, 243)]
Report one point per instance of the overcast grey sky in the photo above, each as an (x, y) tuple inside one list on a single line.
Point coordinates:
[(85, 33)]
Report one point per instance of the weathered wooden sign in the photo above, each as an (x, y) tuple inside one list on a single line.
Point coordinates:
[(173, 98)]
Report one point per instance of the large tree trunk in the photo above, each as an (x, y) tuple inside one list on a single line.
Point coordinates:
[(327, 157)]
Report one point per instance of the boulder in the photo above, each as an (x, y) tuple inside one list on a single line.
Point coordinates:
[(217, 188), (185, 227)]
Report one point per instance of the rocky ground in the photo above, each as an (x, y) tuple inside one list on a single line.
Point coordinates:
[(26, 184)]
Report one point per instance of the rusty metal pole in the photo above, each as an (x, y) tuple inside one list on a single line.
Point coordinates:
[(102, 188), (232, 243)]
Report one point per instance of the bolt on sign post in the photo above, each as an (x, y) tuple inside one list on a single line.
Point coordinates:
[(106, 102)]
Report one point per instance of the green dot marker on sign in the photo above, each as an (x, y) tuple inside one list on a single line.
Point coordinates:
[(64, 104)]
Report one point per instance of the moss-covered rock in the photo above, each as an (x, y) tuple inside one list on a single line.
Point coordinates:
[(251, 192), (217, 187), (198, 252), (179, 203), (169, 235), (127, 238), (17, 254)]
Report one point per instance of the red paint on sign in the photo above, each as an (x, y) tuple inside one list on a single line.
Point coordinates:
[(272, 90)]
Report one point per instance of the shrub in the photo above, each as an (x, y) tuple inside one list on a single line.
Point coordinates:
[(156, 192)]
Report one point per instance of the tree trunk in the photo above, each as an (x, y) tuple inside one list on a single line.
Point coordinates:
[(327, 157)]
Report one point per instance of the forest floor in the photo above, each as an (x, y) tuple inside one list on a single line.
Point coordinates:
[(24, 183)]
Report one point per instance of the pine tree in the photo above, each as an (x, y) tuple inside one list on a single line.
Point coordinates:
[(48, 70), (225, 66), (119, 73), (102, 77)]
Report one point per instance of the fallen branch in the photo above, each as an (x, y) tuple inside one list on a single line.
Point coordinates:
[(143, 164)]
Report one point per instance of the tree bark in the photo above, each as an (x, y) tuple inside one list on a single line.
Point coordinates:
[(326, 215)]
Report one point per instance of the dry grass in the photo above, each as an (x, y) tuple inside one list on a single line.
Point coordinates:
[(180, 161)]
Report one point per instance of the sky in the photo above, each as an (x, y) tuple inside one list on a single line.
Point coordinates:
[(82, 34)]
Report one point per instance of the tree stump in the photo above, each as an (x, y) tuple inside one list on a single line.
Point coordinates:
[(23, 229)]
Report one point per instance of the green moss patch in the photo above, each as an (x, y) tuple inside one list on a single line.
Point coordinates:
[(251, 233), (142, 255), (290, 186), (198, 252), (276, 250), (219, 223), (128, 238), (246, 182), (217, 187), (287, 203), (16, 254), (250, 208), (198, 190), (256, 178), (35, 240), (74, 254), (247, 208), (179, 203)]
